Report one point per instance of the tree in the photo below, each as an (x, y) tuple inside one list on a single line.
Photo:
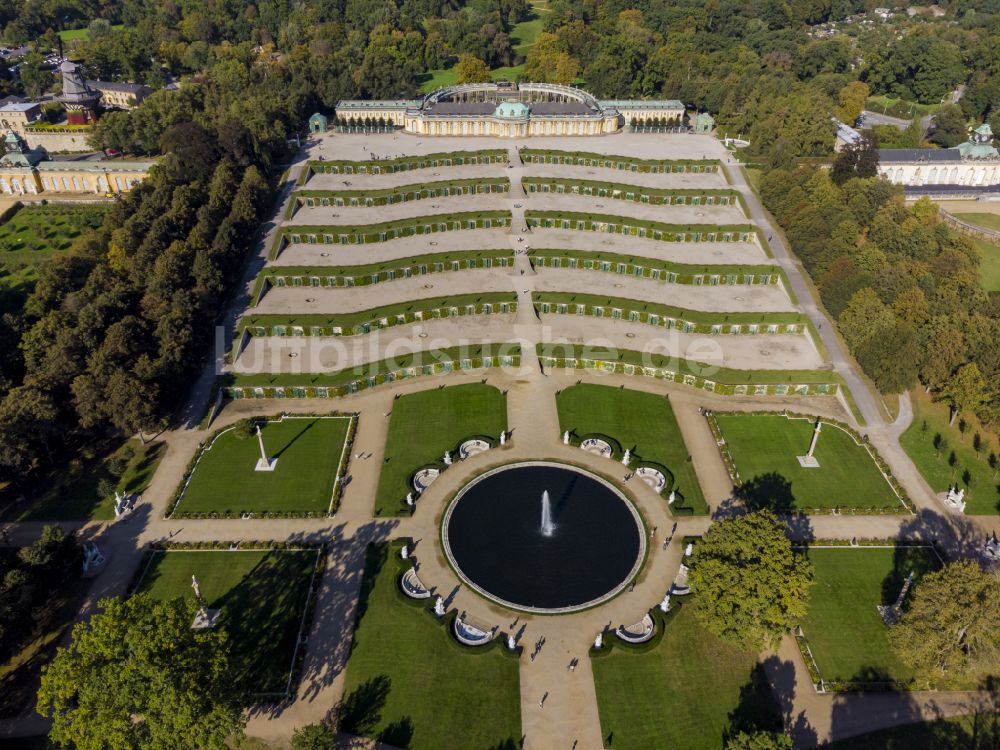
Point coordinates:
[(856, 160), (965, 391), (750, 586), (851, 101), (949, 127), (760, 741), (314, 737), (949, 631), (137, 675), (470, 69)]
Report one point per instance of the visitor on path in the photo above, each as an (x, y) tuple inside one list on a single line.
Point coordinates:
[(541, 703)]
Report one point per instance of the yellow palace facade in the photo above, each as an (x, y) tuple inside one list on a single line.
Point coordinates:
[(25, 171), (509, 110)]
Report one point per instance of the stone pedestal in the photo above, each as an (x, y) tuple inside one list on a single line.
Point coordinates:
[(269, 466), (205, 619), (808, 462)]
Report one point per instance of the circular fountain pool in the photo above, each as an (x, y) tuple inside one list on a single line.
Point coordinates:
[(543, 537)]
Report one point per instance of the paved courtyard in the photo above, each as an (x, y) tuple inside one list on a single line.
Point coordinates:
[(570, 713)]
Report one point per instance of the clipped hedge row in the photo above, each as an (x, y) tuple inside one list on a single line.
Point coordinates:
[(612, 161), (657, 270), (656, 230)]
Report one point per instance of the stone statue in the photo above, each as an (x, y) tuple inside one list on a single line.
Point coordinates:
[(439, 607), (665, 604), (599, 640), (503, 438), (447, 458), (671, 497), (511, 643), (627, 457), (566, 438), (409, 499), (197, 588), (405, 552)]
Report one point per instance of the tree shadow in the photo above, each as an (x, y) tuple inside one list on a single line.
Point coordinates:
[(291, 441), (770, 491), (906, 560), (781, 676), (758, 709), (361, 710), (398, 734)]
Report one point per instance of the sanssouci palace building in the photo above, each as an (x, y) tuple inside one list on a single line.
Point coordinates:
[(510, 110)]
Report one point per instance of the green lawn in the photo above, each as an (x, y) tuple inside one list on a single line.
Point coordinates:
[(261, 595), (310, 452), (410, 684), (424, 425), (71, 492), (72, 35), (643, 423), (988, 221), (989, 266), (765, 449), (35, 233), (843, 627), (686, 693), (954, 461)]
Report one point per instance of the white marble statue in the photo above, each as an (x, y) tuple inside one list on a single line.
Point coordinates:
[(566, 438), (439, 609), (627, 457)]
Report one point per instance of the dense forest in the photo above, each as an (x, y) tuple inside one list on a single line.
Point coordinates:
[(902, 287)]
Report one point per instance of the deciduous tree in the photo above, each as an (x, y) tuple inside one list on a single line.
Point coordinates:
[(138, 676), (949, 630), (750, 585)]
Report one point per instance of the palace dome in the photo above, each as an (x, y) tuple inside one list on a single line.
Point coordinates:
[(512, 111)]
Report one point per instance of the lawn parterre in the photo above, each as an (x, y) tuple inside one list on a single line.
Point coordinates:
[(763, 449), (261, 595), (640, 422), (312, 455), (688, 692), (424, 425), (843, 628), (35, 233), (946, 456), (410, 684)]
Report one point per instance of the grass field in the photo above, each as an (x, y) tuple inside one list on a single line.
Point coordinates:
[(410, 684), (985, 220), (424, 425), (765, 449), (642, 422), (72, 35), (71, 492), (35, 233), (845, 631), (261, 595), (309, 452), (989, 266), (954, 461), (686, 693)]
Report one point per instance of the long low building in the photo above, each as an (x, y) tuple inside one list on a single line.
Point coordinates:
[(24, 170), (975, 163), (510, 110)]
